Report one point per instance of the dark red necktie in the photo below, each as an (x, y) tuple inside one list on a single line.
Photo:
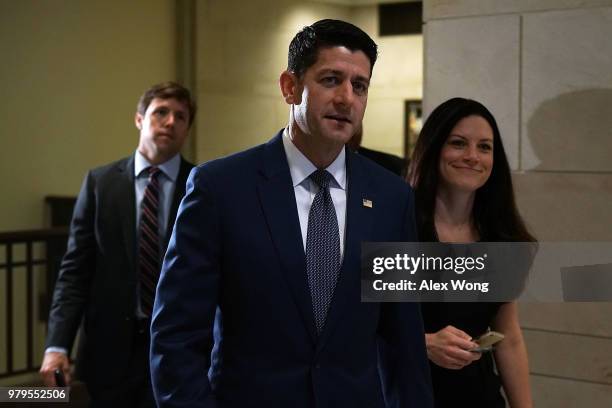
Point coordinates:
[(148, 243)]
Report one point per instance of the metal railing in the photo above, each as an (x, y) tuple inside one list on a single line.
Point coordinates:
[(53, 241)]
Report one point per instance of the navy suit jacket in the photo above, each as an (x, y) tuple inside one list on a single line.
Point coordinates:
[(237, 245)]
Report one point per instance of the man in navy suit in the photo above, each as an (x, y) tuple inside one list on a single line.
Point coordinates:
[(270, 239)]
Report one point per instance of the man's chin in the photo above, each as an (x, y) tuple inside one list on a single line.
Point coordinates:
[(339, 136), (164, 144), (167, 150)]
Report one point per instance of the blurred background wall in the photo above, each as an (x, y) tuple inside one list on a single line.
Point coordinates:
[(72, 72), (239, 59)]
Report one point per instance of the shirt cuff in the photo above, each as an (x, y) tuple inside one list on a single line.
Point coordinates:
[(56, 350)]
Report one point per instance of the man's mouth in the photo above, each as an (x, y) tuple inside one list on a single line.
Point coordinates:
[(338, 118)]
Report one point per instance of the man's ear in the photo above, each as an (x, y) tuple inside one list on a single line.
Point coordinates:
[(138, 120), (291, 88)]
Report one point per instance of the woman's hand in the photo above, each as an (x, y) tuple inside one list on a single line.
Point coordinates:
[(450, 348)]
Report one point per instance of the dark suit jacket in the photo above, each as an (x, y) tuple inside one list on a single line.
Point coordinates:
[(390, 162), (97, 279), (237, 244)]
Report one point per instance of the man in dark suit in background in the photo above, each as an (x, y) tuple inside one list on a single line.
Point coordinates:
[(394, 164), (119, 232), (271, 236)]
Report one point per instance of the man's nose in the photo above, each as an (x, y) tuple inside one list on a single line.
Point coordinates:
[(170, 119), (344, 93)]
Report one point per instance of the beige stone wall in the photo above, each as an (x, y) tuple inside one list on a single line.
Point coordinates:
[(72, 73), (543, 68), (239, 59)]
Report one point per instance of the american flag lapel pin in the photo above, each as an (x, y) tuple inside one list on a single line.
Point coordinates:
[(367, 203)]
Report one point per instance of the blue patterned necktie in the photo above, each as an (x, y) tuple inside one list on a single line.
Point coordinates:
[(322, 248), (148, 243)]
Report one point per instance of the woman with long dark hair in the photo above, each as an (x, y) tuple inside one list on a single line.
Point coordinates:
[(463, 192)]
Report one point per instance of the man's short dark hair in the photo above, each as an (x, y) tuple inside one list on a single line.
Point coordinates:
[(305, 46), (167, 90)]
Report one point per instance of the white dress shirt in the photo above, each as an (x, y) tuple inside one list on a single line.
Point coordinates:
[(305, 189)]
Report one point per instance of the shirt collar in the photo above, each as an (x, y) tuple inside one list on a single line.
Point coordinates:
[(301, 168), (170, 167)]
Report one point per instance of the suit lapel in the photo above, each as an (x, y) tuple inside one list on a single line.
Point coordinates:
[(277, 199), (127, 209), (358, 224)]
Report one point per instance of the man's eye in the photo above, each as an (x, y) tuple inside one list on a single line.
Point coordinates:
[(360, 88), (329, 80), (161, 112)]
